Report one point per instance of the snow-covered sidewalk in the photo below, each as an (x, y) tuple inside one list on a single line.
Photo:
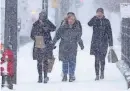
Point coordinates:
[(85, 74), (27, 74)]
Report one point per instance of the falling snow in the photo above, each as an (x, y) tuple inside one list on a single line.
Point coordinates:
[(27, 14)]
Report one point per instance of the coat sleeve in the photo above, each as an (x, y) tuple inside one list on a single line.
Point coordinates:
[(57, 35), (62, 22), (80, 25), (109, 32), (80, 41), (92, 21), (33, 32), (51, 26)]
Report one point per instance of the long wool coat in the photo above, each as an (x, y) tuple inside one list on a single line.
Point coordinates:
[(102, 35), (42, 30)]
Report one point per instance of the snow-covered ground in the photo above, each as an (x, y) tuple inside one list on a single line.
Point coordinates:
[(114, 81), (27, 74), (85, 74)]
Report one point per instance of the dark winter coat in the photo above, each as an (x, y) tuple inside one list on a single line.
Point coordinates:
[(102, 35), (42, 30), (70, 38)]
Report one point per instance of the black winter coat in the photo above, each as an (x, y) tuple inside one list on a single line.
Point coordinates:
[(102, 35), (70, 38), (42, 30)]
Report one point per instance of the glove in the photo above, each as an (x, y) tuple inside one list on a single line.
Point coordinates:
[(82, 48), (52, 44), (54, 47)]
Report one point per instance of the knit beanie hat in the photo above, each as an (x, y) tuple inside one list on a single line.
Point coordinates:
[(70, 13), (100, 10)]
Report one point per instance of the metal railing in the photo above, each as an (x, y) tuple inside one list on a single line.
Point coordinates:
[(125, 40), (124, 63)]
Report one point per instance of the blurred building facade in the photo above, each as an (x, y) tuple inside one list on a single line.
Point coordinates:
[(64, 6), (110, 5)]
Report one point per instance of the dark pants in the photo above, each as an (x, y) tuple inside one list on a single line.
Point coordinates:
[(42, 62), (42, 65), (99, 63), (69, 66), (9, 81)]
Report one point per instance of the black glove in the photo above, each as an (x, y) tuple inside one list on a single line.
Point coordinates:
[(54, 47), (96, 21), (82, 47)]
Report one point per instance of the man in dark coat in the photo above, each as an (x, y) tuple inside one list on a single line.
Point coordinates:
[(101, 38), (42, 27), (70, 35)]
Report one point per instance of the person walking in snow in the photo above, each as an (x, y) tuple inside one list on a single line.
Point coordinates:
[(69, 35), (101, 38), (42, 50), (7, 68)]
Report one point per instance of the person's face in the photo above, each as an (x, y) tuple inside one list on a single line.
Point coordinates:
[(42, 17), (71, 20), (100, 14)]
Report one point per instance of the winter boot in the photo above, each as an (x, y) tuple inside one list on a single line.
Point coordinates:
[(10, 87), (40, 79), (64, 78), (72, 78), (46, 79), (2, 86), (102, 76), (97, 78)]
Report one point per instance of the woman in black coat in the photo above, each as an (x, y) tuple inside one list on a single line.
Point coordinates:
[(42, 27), (101, 38), (70, 34)]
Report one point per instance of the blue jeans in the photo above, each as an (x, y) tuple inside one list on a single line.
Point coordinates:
[(68, 66)]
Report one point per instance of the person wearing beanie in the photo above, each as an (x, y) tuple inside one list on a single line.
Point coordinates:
[(100, 10), (101, 38), (43, 15), (43, 49), (100, 13)]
